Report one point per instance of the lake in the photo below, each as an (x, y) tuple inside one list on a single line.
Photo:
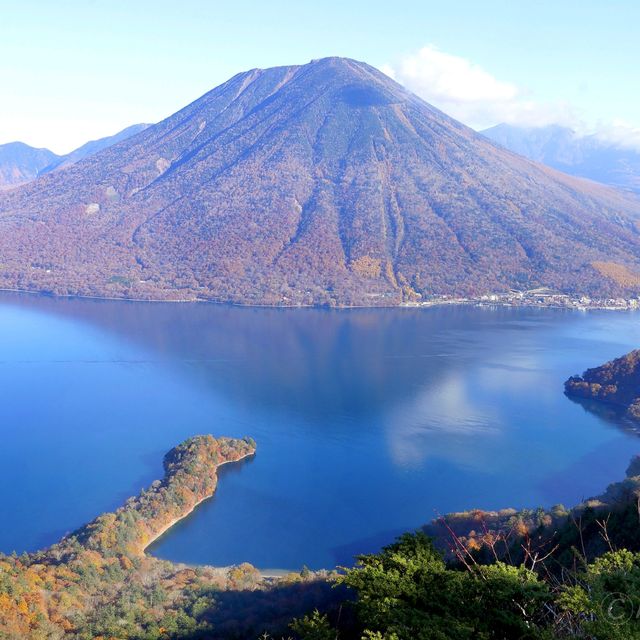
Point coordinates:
[(368, 422)]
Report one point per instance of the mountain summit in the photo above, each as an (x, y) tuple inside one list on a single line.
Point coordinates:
[(322, 183)]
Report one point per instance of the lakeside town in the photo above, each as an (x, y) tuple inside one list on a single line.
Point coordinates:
[(540, 297)]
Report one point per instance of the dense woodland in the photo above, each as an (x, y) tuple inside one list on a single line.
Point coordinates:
[(501, 576), (616, 383)]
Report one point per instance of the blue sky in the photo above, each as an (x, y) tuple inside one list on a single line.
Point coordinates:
[(73, 70)]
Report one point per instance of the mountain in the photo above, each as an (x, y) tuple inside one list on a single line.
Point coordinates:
[(326, 183), (561, 148), (20, 163)]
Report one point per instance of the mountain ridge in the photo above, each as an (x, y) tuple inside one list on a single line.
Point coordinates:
[(563, 149), (325, 183), (21, 163)]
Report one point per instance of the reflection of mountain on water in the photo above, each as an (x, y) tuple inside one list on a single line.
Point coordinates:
[(382, 418), (332, 363)]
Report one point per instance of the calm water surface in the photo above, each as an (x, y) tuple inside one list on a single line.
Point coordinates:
[(368, 422)]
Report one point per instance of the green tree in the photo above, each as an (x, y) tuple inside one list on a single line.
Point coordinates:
[(314, 627)]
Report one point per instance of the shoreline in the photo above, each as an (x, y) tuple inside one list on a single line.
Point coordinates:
[(175, 521), (486, 301), (267, 574)]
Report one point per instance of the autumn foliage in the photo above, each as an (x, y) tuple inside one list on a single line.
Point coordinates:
[(102, 567), (322, 184), (616, 383)]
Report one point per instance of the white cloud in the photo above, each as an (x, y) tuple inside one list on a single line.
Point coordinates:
[(471, 94), (618, 133), (448, 77)]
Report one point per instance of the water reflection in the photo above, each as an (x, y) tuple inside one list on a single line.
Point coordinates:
[(439, 420), (324, 363), (610, 413), (367, 421)]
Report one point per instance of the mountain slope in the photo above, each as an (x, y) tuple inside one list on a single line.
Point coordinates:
[(323, 183), (560, 148), (20, 163)]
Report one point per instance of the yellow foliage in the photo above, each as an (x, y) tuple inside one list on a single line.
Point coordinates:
[(46, 591), (618, 273), (473, 544), (366, 266)]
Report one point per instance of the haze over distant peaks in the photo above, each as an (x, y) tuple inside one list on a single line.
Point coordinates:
[(561, 148), (21, 163), (89, 148), (326, 183)]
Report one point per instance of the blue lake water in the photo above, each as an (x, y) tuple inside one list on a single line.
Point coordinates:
[(368, 422)]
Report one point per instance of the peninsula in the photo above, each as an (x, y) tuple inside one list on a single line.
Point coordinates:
[(616, 383), (99, 581)]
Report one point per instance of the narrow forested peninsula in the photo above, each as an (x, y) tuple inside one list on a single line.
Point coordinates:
[(190, 477), (56, 591), (97, 582)]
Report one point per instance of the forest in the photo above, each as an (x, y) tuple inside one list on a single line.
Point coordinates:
[(614, 383)]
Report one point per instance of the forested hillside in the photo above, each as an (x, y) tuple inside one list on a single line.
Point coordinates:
[(616, 383), (326, 183)]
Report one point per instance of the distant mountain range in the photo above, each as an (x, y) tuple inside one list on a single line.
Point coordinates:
[(20, 163), (326, 183), (561, 148)]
